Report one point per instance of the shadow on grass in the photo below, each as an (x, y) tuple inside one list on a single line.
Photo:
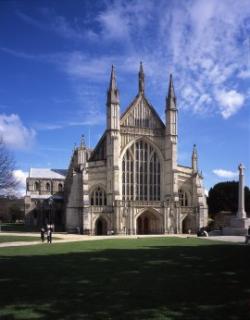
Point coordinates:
[(157, 282)]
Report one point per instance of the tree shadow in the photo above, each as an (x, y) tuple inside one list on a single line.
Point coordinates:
[(160, 282)]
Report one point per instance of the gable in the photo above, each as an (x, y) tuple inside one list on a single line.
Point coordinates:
[(99, 153), (141, 114)]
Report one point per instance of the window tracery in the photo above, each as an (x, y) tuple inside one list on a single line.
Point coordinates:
[(183, 198), (98, 197), (141, 173)]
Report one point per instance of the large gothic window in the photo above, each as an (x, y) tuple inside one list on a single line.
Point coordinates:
[(141, 173), (98, 197)]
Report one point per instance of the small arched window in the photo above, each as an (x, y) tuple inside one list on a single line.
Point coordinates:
[(183, 198), (48, 187), (98, 197), (60, 187), (37, 186)]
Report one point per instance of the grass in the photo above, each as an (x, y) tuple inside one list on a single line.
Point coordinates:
[(152, 278), (10, 238), (14, 238)]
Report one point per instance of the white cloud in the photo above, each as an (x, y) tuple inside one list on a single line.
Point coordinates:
[(79, 65), (15, 135), (225, 173), (230, 102), (244, 74), (203, 43), (48, 21), (114, 24), (21, 176)]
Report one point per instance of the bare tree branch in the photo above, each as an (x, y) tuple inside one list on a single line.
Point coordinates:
[(7, 180)]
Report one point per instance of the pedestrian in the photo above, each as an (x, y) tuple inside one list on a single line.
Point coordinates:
[(42, 234), (49, 235)]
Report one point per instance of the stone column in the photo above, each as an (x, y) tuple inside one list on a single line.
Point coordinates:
[(241, 214)]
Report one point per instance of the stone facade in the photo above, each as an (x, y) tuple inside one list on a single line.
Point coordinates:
[(131, 182), (42, 186)]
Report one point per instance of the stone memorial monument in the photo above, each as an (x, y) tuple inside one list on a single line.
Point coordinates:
[(239, 223)]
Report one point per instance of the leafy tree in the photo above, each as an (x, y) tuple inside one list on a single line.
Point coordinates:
[(16, 212), (224, 197), (7, 180)]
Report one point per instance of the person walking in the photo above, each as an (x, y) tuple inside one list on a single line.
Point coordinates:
[(49, 235), (42, 234)]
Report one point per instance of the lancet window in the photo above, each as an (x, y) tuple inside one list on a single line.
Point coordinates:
[(48, 187), (60, 187), (183, 198), (98, 197), (36, 186), (141, 173)]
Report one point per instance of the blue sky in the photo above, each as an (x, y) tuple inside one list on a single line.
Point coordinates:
[(55, 62)]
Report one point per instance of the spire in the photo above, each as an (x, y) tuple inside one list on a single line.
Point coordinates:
[(82, 142), (112, 84), (195, 159), (171, 99), (141, 79), (113, 93)]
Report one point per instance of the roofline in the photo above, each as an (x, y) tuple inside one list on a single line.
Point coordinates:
[(98, 144), (150, 105)]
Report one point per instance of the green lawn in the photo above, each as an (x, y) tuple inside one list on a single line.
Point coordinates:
[(14, 227), (153, 278), (10, 238)]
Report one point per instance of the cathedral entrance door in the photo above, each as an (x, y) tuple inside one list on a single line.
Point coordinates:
[(100, 227), (146, 226), (187, 225), (139, 226), (148, 223)]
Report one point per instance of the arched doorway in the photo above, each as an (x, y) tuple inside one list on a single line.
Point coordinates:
[(187, 225), (100, 227), (149, 223)]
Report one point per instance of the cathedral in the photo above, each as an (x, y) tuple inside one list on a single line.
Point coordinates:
[(130, 183)]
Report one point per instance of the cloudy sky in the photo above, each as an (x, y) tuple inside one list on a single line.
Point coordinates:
[(55, 61)]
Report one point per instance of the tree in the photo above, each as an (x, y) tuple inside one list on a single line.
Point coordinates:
[(7, 180), (224, 197)]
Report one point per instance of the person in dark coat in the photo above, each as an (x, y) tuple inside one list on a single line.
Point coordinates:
[(42, 234), (49, 235)]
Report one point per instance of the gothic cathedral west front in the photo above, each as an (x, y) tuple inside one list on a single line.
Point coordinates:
[(131, 182)]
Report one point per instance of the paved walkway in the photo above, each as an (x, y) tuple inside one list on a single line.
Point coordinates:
[(64, 237)]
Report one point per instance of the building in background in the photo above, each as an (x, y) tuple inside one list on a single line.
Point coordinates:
[(131, 182), (44, 198)]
